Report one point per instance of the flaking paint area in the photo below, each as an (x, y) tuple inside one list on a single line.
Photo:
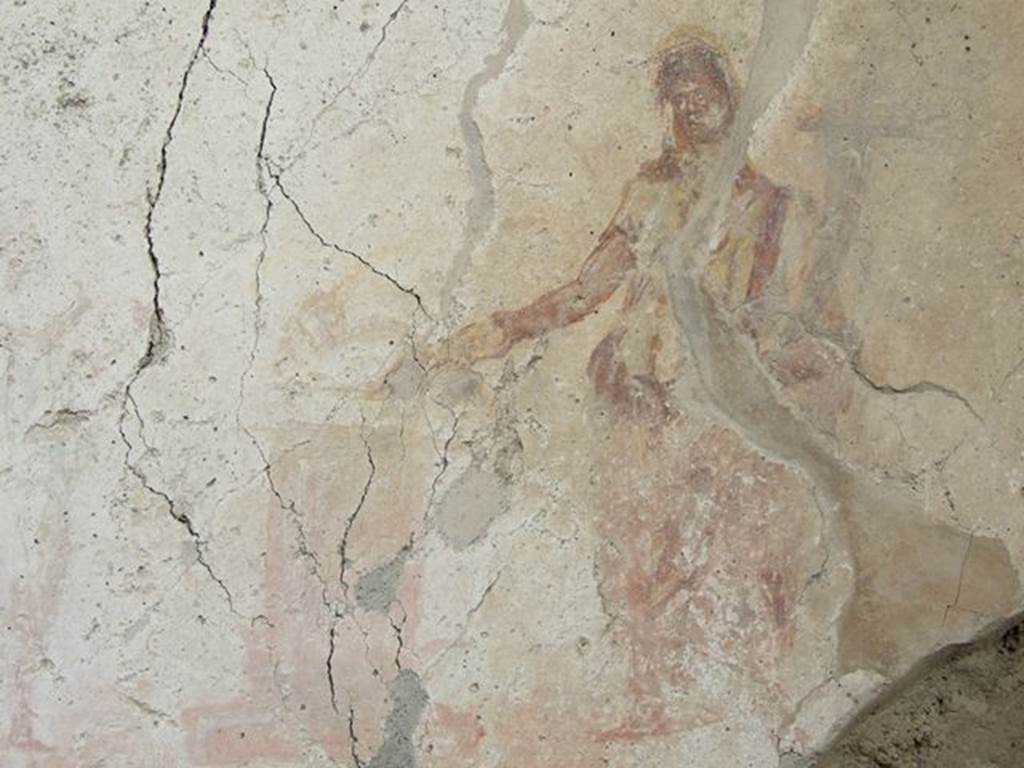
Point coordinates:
[(698, 571)]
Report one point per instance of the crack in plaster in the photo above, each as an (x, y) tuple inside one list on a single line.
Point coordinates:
[(411, 292), (347, 87), (465, 627), (960, 580), (917, 388), (343, 546), (159, 338), (181, 517), (159, 335), (353, 739)]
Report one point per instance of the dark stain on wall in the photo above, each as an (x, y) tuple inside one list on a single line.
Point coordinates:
[(963, 707)]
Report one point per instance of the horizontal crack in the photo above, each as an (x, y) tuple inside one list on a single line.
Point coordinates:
[(920, 387), (63, 417)]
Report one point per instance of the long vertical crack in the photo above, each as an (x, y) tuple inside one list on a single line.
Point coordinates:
[(158, 332), (262, 172), (264, 175), (158, 339)]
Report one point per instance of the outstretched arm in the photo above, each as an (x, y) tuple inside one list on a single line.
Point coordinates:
[(602, 273)]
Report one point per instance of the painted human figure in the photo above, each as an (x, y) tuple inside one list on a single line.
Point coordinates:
[(669, 568), (696, 93)]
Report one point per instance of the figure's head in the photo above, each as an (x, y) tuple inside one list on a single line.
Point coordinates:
[(693, 81)]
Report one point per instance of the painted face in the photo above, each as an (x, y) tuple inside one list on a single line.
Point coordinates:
[(693, 83)]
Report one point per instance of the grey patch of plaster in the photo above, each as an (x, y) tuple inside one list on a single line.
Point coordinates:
[(376, 589), (408, 700), (405, 380), (480, 206), (469, 507)]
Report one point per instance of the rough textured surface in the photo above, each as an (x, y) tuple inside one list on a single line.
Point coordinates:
[(967, 710), (515, 383)]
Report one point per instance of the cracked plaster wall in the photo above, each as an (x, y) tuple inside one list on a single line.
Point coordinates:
[(506, 383)]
